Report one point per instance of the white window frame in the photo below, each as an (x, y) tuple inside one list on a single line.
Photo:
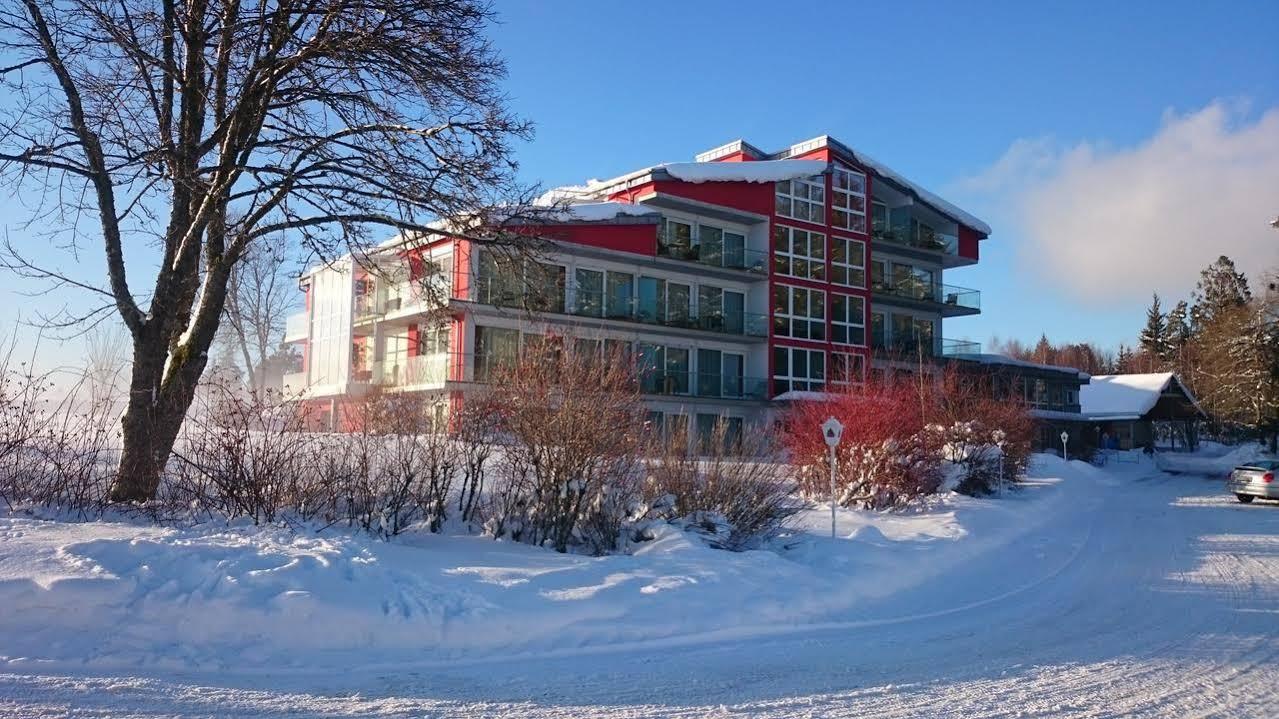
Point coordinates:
[(847, 197), (790, 378), (787, 189), (848, 267), (788, 313), (790, 257), (848, 322), (848, 358)]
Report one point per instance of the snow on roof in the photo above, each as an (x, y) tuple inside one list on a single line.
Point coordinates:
[(754, 171), (994, 359), (946, 208), (797, 395), (601, 211), (1127, 396)]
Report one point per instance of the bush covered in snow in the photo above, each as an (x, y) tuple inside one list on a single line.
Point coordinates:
[(736, 499)]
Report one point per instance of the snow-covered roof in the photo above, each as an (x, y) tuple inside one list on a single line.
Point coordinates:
[(754, 171), (1127, 396), (797, 395), (601, 211), (994, 359)]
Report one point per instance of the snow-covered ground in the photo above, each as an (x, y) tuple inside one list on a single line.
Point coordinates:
[(1116, 592)]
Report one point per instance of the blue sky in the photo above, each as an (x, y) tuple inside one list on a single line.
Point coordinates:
[(1115, 147), (938, 91)]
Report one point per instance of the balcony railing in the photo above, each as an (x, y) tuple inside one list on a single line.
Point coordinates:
[(948, 295), (422, 370), (621, 306), (922, 239), (914, 347), (297, 327), (732, 258)]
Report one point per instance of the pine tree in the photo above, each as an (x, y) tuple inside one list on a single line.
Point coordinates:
[(1154, 337), (1043, 350), (1124, 360), (1221, 288), (1178, 327)]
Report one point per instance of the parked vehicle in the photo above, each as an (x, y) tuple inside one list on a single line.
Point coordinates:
[(1255, 479)]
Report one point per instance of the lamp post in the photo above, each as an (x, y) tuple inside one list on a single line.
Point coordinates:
[(1064, 436), (1000, 443), (832, 430)]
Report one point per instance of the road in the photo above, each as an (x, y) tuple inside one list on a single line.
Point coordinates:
[(1161, 599)]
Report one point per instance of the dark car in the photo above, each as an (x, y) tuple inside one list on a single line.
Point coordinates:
[(1255, 479)]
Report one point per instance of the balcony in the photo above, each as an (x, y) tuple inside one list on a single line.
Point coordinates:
[(729, 258), (621, 306), (923, 238), (705, 385), (293, 383), (422, 370), (914, 348), (297, 327), (949, 300)]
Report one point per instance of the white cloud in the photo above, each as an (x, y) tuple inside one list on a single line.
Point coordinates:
[(1112, 224)]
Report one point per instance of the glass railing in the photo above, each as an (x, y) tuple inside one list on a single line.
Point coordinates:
[(922, 239), (949, 295), (702, 384), (914, 347), (430, 369), (620, 305), (733, 258), (297, 327)]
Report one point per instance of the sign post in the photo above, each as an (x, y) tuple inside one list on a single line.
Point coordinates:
[(1064, 436), (832, 430)]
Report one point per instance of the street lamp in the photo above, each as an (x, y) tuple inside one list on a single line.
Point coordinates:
[(832, 430), (1064, 436)]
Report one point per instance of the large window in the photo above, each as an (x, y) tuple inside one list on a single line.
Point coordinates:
[(847, 319), (516, 282), (663, 370), (803, 199), (604, 294), (799, 253), (848, 199), (432, 338), (663, 302), (495, 348), (847, 368), (798, 369), (719, 374), (799, 312), (708, 244), (848, 262), (721, 310)]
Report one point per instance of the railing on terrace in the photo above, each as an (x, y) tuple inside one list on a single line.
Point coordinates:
[(434, 370), (620, 306), (913, 347), (733, 258), (297, 326), (932, 241), (931, 292)]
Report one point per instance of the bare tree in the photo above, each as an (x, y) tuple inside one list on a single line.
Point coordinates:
[(260, 295), (207, 128)]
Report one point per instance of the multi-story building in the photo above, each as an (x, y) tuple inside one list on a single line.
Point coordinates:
[(735, 281)]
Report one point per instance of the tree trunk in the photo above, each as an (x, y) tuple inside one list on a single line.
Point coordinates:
[(157, 406)]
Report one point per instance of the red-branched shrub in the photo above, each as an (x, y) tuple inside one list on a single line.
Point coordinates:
[(898, 435), (883, 459)]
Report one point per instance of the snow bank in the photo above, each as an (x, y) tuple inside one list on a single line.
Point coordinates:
[(601, 211), (1211, 463), (236, 598)]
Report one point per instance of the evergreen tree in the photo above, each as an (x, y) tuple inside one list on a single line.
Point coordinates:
[(1124, 360), (1043, 350), (1154, 337), (1178, 327), (1221, 288)]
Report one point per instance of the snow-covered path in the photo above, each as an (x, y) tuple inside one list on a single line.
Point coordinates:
[(1155, 595)]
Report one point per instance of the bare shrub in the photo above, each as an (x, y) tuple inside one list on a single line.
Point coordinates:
[(738, 500), (241, 455), (575, 425), (477, 436)]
